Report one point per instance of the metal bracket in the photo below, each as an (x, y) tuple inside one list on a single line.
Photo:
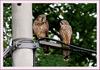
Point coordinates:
[(21, 43)]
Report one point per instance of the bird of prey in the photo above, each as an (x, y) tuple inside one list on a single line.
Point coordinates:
[(41, 28), (65, 33)]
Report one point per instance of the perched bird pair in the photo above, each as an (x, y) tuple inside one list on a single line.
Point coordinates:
[(41, 28)]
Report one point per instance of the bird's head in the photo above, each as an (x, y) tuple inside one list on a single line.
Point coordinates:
[(41, 18), (64, 22)]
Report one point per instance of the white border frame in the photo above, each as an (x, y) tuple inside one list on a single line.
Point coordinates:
[(52, 1)]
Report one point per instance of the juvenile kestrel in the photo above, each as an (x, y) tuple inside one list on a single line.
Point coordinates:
[(65, 33), (41, 28)]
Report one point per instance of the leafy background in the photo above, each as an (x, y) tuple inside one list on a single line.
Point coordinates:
[(81, 16)]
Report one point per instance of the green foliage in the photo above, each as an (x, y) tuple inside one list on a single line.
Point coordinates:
[(7, 62), (82, 18)]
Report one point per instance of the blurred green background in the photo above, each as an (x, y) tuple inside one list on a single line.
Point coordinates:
[(81, 16)]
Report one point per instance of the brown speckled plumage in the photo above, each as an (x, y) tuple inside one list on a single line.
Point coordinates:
[(41, 28), (65, 33)]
